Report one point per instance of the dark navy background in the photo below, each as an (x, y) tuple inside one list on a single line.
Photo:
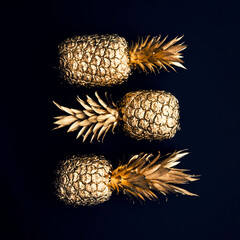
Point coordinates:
[(209, 100)]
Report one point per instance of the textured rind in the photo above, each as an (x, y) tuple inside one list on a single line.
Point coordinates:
[(84, 180), (94, 60), (150, 115)]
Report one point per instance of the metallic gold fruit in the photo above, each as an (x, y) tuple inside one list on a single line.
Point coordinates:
[(150, 115), (90, 180), (105, 60), (84, 180)]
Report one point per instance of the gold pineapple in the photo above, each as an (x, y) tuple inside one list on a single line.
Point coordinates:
[(105, 60), (84, 180), (147, 114), (90, 180)]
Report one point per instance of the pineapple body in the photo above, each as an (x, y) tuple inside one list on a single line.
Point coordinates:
[(150, 115), (84, 180), (94, 60)]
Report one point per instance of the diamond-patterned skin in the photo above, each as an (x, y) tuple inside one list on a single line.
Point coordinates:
[(94, 60), (84, 180), (150, 115)]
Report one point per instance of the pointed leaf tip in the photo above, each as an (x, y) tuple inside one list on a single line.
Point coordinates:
[(57, 105)]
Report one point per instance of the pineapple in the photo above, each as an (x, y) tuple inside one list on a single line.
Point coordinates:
[(147, 114), (90, 180), (84, 180), (106, 60)]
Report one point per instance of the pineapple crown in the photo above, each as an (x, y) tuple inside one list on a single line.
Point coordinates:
[(96, 118), (156, 53), (141, 177)]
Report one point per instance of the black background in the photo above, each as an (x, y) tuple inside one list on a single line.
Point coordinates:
[(209, 101)]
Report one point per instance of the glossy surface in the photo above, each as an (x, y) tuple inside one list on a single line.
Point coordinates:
[(94, 60), (150, 115), (83, 180)]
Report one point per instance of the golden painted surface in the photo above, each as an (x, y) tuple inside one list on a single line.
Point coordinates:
[(151, 115), (84, 180), (94, 60)]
